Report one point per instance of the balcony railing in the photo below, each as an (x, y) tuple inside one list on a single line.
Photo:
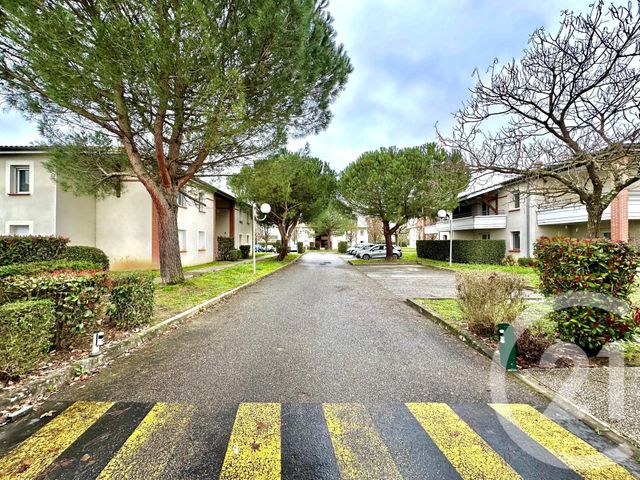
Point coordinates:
[(470, 221)]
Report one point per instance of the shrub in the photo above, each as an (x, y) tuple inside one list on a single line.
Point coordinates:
[(489, 298), (342, 247), (526, 261), (602, 269), (509, 261), (88, 254), (245, 251), (132, 299), (300, 246), (234, 255), (225, 245), (25, 335), (49, 266), (318, 245), (32, 248), (312, 245), (277, 245), (76, 297), (531, 346), (464, 251)]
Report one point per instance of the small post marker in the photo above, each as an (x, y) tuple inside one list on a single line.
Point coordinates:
[(98, 341), (507, 346)]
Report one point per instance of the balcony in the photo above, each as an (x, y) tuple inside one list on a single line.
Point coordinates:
[(567, 215), (470, 222)]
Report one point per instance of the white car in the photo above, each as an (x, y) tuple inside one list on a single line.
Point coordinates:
[(356, 248), (378, 251)]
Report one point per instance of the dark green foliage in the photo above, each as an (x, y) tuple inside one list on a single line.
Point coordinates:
[(132, 299), (464, 251), (312, 245), (318, 245), (526, 261), (277, 245), (234, 255), (25, 335), (32, 248), (49, 266), (245, 251), (342, 247), (89, 254), (300, 246), (225, 245), (76, 298), (531, 347), (603, 274)]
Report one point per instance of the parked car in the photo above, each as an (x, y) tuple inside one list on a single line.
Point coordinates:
[(356, 248), (378, 251), (260, 248)]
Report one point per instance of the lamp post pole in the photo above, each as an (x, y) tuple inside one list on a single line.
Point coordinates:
[(444, 214), (265, 208)]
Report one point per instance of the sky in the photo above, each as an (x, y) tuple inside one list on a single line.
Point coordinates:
[(413, 62)]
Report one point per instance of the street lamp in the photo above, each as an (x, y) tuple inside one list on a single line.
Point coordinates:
[(444, 214), (265, 208)]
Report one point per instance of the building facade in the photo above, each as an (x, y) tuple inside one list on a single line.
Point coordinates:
[(124, 227)]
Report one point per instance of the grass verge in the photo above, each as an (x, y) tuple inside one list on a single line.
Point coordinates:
[(173, 299), (446, 308), (528, 273)]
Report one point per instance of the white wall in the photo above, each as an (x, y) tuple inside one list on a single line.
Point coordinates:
[(76, 218), (193, 221)]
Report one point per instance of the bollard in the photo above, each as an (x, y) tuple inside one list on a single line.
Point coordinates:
[(507, 346), (98, 341)]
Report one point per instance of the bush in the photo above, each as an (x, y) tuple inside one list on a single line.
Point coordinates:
[(234, 255), (25, 335), (132, 299), (318, 245), (312, 245), (605, 271), (277, 245), (245, 251), (489, 298), (225, 245), (342, 247), (88, 254), (509, 261), (464, 251), (32, 248), (531, 346), (49, 266), (526, 262), (300, 246), (76, 297)]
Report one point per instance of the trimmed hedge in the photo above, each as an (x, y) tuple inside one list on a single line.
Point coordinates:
[(464, 251), (234, 255), (32, 248), (50, 266), (245, 251), (76, 297), (342, 247), (87, 254), (25, 335), (300, 246), (225, 246), (132, 299), (605, 269)]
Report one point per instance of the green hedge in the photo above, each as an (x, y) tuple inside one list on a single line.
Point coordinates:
[(234, 255), (32, 248), (87, 254), (464, 251), (593, 266), (342, 247), (300, 246), (77, 298), (225, 246), (132, 299), (25, 335), (37, 268), (245, 251)]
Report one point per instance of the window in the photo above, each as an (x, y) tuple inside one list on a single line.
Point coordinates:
[(202, 240), (486, 236), (485, 209), (182, 240), (182, 200), (516, 199), (515, 240), (20, 230), (445, 237), (20, 180), (361, 232), (201, 200), (607, 235), (248, 239)]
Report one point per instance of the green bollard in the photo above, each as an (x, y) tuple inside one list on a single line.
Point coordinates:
[(507, 346)]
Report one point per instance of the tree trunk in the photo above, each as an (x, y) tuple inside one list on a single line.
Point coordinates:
[(594, 219), (168, 242), (388, 239), (284, 239)]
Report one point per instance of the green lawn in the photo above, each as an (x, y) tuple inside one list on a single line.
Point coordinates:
[(528, 272), (173, 299), (446, 308)]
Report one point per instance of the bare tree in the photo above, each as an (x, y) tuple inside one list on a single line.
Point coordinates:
[(565, 117)]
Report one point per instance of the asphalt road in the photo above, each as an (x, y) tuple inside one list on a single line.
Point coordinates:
[(322, 361)]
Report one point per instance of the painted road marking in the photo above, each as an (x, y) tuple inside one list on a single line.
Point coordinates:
[(33, 456), (359, 450), (253, 451), (576, 453), (147, 450), (470, 455)]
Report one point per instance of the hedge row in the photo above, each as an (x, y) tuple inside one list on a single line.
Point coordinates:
[(87, 254), (245, 251), (33, 248), (49, 266), (342, 247), (131, 299), (464, 251)]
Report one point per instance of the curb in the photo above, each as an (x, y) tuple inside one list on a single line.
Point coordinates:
[(600, 426), (59, 377)]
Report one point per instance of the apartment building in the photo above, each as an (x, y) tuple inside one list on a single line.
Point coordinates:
[(124, 227), (503, 211)]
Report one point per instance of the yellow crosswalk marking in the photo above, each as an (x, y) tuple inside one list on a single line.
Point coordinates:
[(147, 450), (360, 452), (576, 453), (254, 447), (33, 456), (470, 455)]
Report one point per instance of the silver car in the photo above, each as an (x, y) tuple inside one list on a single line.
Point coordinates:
[(378, 251), (357, 248)]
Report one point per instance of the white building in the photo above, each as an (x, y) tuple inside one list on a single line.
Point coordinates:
[(124, 227)]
